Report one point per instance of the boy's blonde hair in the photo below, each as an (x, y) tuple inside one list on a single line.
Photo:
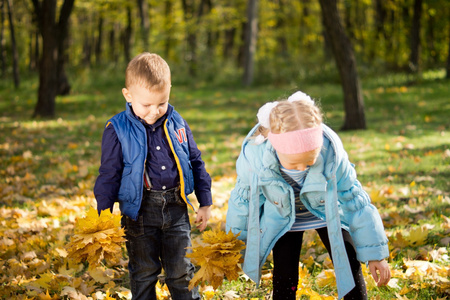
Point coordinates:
[(148, 70), (289, 116)]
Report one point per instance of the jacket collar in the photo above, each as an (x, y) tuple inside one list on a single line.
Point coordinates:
[(132, 116)]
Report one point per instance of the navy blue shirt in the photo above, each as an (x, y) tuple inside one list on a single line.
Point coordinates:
[(161, 166)]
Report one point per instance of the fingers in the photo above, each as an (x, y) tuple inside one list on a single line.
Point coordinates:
[(385, 276), (373, 271), (380, 272), (201, 224)]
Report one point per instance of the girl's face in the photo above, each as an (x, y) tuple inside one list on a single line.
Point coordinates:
[(147, 104), (300, 161)]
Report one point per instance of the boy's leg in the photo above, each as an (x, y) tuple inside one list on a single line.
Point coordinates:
[(286, 257), (175, 239), (143, 251), (359, 292)]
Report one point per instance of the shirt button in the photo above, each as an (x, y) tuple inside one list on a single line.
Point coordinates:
[(163, 167), (163, 187), (158, 148)]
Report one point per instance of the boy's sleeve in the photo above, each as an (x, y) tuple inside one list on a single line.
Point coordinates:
[(202, 180), (107, 185)]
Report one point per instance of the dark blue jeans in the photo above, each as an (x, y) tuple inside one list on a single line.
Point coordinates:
[(157, 240)]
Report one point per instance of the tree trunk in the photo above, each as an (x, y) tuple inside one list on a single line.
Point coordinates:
[(447, 69), (112, 43), (346, 63), (228, 43), (126, 37), (98, 44), (415, 37), (15, 54), (168, 22), (2, 39), (251, 34), (45, 106), (191, 53), (280, 25), (145, 22), (51, 70), (62, 40)]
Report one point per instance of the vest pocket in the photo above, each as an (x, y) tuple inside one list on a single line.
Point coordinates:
[(126, 184)]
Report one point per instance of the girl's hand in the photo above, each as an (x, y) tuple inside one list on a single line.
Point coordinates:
[(203, 215), (380, 272)]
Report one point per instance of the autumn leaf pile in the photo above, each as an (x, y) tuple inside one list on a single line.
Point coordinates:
[(48, 169), (97, 238), (218, 256)]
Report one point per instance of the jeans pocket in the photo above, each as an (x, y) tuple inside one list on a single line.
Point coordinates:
[(179, 200), (134, 228)]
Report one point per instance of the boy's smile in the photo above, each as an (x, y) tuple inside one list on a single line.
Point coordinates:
[(147, 104)]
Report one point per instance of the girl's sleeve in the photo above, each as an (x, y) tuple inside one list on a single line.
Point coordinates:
[(238, 204), (363, 218)]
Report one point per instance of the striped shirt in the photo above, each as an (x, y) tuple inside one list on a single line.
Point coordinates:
[(304, 219)]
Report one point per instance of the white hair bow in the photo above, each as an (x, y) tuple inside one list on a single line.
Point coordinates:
[(264, 113), (297, 96)]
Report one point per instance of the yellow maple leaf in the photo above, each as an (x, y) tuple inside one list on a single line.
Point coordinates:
[(418, 236), (97, 238), (218, 257), (326, 278)]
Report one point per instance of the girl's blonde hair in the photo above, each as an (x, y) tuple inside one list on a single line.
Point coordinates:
[(289, 116), (148, 70)]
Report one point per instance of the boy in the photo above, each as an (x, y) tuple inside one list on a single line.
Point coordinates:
[(149, 164)]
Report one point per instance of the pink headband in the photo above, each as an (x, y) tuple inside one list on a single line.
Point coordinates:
[(298, 141)]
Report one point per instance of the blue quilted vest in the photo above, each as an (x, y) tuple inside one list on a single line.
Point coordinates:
[(133, 139)]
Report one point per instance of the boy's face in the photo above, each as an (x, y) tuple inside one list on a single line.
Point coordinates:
[(147, 104)]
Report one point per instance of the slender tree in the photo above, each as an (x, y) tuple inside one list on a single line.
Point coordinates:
[(145, 22), (191, 53), (126, 36), (168, 27), (447, 68), (415, 37), (2, 39), (251, 34), (346, 64), (15, 54), (99, 41), (53, 33)]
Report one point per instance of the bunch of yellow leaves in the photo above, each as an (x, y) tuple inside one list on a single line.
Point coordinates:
[(218, 257), (97, 238)]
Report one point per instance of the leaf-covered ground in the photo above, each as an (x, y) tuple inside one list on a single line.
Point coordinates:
[(48, 168)]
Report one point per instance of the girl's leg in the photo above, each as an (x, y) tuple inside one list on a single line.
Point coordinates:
[(359, 292), (286, 257)]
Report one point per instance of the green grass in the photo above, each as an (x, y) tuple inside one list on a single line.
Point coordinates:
[(404, 155)]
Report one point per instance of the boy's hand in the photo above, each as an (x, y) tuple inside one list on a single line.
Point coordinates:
[(383, 269), (203, 215)]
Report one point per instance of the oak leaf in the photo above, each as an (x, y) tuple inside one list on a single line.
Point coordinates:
[(218, 256)]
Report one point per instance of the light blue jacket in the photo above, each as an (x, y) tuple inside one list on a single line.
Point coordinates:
[(262, 206)]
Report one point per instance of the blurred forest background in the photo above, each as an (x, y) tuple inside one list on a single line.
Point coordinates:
[(244, 42)]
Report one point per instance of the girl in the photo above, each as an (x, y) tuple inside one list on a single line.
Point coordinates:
[(294, 175)]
